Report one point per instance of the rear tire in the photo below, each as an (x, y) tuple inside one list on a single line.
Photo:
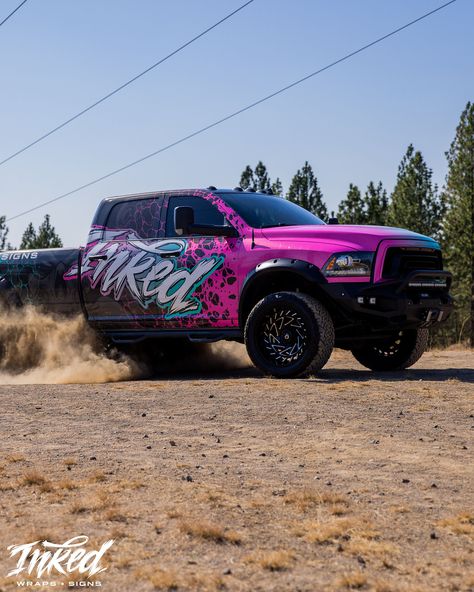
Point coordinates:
[(288, 334), (397, 353)]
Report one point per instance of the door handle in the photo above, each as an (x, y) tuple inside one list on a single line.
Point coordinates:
[(173, 253), (97, 257)]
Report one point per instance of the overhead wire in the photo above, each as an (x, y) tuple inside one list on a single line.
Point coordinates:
[(124, 85), (235, 113)]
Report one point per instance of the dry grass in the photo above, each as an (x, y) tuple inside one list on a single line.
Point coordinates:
[(33, 477), (70, 462), (118, 533), (115, 515), (174, 513), (160, 579), (15, 458), (399, 509), (125, 484), (102, 500), (41, 534), (96, 502), (332, 529), (205, 582), (97, 477), (353, 581), (80, 507), (169, 580), (46, 487), (308, 498), (66, 484), (210, 532), (338, 509), (372, 548), (218, 499), (460, 524), (279, 560)]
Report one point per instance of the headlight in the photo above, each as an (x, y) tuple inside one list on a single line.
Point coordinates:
[(356, 263)]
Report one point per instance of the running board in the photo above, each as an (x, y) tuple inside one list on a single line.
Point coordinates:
[(122, 337)]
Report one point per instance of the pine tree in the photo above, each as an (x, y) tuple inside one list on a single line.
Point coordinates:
[(28, 240), (257, 179), (45, 238), (415, 202), (277, 187), (3, 233), (458, 229), (247, 178), (304, 191), (351, 209), (376, 203), (262, 180)]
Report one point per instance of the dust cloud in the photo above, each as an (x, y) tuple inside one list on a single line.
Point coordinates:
[(39, 348)]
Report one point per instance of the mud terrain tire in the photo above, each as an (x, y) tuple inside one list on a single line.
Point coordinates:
[(289, 334), (397, 353)]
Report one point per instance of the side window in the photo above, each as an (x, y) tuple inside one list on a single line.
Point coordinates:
[(140, 216), (204, 212)]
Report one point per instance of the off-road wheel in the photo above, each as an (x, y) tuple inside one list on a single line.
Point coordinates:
[(289, 334), (396, 353)]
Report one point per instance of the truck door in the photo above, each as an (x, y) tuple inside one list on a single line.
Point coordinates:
[(211, 297)]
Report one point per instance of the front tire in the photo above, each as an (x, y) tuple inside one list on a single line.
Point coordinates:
[(396, 353), (288, 334)]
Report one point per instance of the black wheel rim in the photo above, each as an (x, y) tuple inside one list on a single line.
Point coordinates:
[(283, 336)]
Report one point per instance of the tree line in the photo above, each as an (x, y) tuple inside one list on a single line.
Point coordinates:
[(416, 203)]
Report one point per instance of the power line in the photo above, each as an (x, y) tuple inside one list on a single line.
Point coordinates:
[(13, 12), (234, 114), (125, 84)]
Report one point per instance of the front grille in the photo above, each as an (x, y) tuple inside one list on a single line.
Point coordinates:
[(400, 261)]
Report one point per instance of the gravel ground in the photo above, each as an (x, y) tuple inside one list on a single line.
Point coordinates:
[(233, 481)]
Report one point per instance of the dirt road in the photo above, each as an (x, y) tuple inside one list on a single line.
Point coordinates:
[(238, 482)]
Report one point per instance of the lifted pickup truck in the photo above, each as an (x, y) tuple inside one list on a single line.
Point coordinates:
[(211, 264)]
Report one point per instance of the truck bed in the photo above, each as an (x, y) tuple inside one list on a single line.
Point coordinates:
[(36, 277)]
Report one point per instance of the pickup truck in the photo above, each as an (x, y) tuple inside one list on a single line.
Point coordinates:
[(212, 264)]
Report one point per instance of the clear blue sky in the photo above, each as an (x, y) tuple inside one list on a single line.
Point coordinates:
[(352, 123)]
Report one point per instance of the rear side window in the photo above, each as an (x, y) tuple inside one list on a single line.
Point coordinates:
[(140, 216), (204, 212)]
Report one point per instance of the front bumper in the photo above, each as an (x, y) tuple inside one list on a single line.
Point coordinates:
[(421, 299)]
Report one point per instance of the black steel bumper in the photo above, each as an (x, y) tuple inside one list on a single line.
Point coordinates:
[(421, 299)]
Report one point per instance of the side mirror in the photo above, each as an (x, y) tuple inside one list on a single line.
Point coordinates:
[(183, 219), (333, 220)]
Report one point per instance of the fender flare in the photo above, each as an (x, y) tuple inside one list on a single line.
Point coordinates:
[(309, 272)]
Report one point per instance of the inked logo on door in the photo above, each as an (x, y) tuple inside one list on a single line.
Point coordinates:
[(127, 262)]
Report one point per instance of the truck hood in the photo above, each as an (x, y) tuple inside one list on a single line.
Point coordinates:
[(347, 236)]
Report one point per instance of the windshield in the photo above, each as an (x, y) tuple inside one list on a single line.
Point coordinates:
[(266, 211)]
